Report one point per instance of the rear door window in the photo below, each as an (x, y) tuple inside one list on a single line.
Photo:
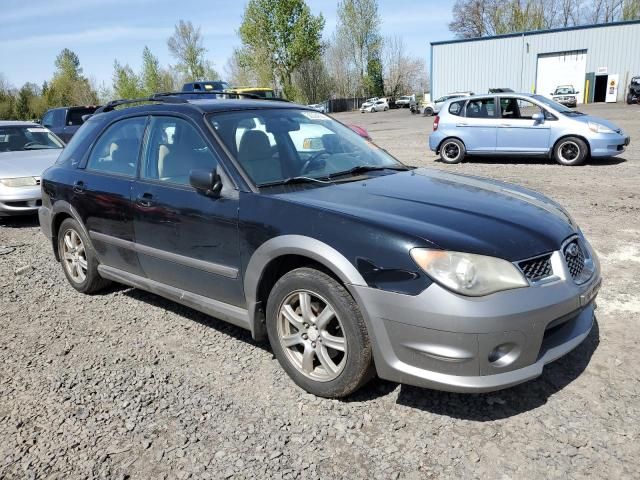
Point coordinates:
[(481, 108), (117, 150), (456, 107)]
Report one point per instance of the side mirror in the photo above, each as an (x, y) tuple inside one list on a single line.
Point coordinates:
[(552, 93), (537, 117), (207, 182)]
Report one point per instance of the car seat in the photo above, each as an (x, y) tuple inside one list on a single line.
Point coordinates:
[(255, 156)]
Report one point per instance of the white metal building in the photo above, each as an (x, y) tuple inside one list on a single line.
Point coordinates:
[(598, 60)]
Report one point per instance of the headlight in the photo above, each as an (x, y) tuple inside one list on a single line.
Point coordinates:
[(599, 128), (469, 274), (19, 182)]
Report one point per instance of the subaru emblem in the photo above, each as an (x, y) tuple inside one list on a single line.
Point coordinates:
[(572, 250)]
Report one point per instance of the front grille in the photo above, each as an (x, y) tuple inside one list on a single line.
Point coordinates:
[(536, 268), (574, 256)]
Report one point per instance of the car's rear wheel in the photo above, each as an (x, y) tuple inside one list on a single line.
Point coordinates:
[(570, 151), (629, 99), (79, 260), (452, 151), (428, 111), (386, 108), (317, 333)]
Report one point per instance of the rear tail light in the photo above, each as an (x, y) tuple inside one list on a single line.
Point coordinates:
[(436, 121)]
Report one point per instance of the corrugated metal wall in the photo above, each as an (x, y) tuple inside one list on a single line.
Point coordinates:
[(511, 61)]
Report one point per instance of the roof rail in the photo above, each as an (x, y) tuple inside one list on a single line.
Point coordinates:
[(176, 97)]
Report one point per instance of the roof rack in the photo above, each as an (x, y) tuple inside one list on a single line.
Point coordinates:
[(176, 97)]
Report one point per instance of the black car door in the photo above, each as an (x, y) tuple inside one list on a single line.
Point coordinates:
[(102, 192), (184, 238)]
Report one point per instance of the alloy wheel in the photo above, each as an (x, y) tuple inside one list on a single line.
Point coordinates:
[(451, 151), (311, 335), (74, 256), (569, 151)]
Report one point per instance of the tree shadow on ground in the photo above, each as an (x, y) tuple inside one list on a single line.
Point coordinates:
[(512, 401)]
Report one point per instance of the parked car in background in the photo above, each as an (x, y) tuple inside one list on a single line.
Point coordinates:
[(320, 107), (633, 95), (404, 101), (433, 107), (500, 90), (379, 105), (65, 121), (522, 125), (349, 262), (205, 86), (260, 92), (565, 95), (26, 150)]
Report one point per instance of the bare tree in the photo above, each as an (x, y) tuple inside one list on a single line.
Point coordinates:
[(312, 81), (401, 72), (342, 68), (186, 46)]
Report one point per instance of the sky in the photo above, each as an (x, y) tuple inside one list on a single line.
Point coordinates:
[(100, 31)]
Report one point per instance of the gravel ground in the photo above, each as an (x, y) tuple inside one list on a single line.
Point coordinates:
[(125, 384)]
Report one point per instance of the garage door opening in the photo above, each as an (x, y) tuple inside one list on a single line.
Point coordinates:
[(561, 68), (600, 88)]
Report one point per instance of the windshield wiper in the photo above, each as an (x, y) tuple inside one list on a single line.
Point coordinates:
[(574, 112), (290, 180), (368, 168)]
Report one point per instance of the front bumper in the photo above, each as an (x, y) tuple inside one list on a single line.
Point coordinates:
[(20, 201), (608, 144), (445, 341)]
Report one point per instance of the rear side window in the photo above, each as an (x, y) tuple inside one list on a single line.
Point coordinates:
[(456, 107), (77, 146), (481, 108), (74, 117), (117, 150)]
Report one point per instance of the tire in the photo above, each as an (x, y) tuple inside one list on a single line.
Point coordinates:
[(428, 112), (629, 99), (78, 258), (570, 151), (386, 108), (324, 371), (452, 151)]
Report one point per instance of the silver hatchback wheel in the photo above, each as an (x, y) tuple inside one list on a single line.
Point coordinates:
[(451, 151), (74, 257), (312, 336)]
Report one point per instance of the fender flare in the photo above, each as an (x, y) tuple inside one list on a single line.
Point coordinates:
[(293, 245), (64, 207)]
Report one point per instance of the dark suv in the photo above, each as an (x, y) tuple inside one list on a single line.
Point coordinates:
[(283, 221), (65, 121)]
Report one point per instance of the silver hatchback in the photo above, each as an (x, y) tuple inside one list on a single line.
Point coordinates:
[(522, 125)]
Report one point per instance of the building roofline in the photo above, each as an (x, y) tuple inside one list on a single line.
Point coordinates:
[(537, 32)]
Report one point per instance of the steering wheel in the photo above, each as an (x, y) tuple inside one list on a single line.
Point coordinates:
[(306, 168), (29, 144)]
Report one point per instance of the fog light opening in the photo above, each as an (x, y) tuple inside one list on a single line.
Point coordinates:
[(504, 354)]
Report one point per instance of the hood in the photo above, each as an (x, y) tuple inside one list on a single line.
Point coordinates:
[(449, 211), (28, 163), (591, 118), (366, 104)]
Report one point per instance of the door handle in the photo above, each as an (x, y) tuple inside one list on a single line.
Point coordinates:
[(145, 200), (79, 186)]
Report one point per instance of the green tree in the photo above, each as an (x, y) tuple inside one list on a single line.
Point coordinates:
[(69, 86), (25, 98), (631, 10), (126, 83), (374, 81), (359, 30), (280, 34), (151, 76), (186, 46)]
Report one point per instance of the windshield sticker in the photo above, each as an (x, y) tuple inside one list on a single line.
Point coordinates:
[(37, 130), (314, 115)]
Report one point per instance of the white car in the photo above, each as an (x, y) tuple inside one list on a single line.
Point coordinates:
[(432, 108), (404, 101), (380, 105), (321, 107)]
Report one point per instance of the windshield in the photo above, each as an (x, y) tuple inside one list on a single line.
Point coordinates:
[(565, 91), (635, 80), (19, 138), (278, 145), (556, 106)]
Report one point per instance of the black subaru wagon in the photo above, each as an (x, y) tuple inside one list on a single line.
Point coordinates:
[(283, 221)]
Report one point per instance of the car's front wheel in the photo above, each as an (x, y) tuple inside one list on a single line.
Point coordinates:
[(570, 151), (629, 99), (452, 151), (79, 260), (317, 333), (428, 111)]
